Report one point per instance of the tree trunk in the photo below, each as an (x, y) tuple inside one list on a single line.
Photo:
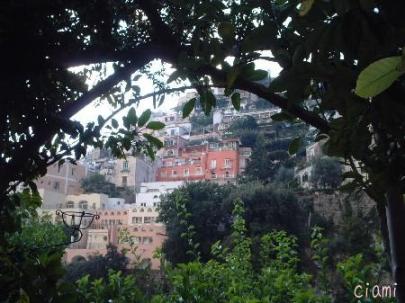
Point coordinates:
[(396, 227)]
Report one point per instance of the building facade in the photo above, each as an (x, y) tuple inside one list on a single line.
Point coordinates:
[(64, 179), (150, 193), (214, 161)]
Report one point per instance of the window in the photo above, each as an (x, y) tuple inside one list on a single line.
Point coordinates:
[(143, 204), (141, 210), (227, 175), (148, 220), (186, 172), (94, 206), (174, 173), (147, 240), (124, 181), (137, 220), (213, 176), (172, 132), (125, 165), (213, 146), (83, 204), (70, 204), (73, 171), (199, 171), (228, 163), (118, 202), (149, 210), (213, 164), (56, 186)]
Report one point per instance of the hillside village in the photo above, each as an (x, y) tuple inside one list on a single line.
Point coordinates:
[(199, 148)]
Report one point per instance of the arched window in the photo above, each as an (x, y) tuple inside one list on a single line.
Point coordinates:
[(149, 210), (70, 204), (83, 204), (141, 210)]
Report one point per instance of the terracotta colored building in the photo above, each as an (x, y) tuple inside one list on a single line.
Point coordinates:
[(215, 161), (147, 234)]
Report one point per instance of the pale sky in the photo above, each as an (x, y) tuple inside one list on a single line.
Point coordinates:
[(91, 112)]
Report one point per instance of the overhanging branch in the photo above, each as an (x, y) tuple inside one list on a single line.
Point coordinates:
[(219, 78)]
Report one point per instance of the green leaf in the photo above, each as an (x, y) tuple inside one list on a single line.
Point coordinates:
[(305, 7), (228, 91), (255, 75), (100, 120), (294, 146), (208, 101), (161, 99), (283, 116), (320, 137), (188, 107), (131, 116), (176, 74), (153, 140), (378, 76), (136, 77), (226, 30), (349, 174), (144, 117), (231, 76), (114, 123), (236, 101), (155, 125)]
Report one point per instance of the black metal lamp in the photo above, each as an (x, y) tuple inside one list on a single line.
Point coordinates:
[(76, 221)]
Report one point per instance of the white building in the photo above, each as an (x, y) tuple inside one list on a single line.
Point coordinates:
[(149, 194), (115, 203), (303, 176)]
